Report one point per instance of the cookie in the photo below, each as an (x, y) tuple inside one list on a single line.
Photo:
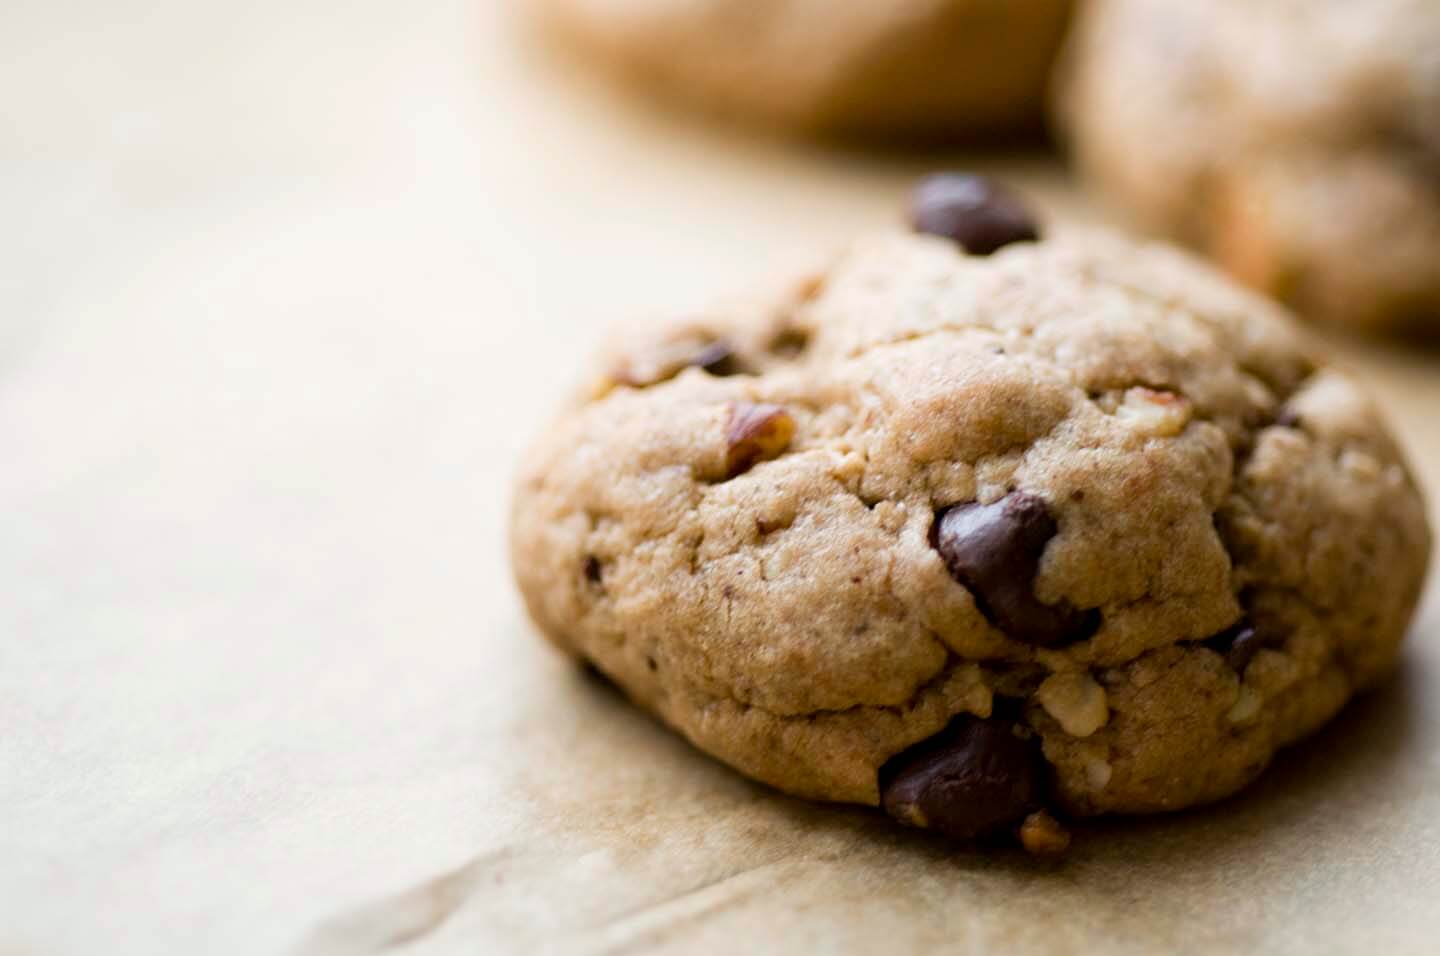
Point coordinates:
[(910, 68), (1072, 528), (1297, 143)]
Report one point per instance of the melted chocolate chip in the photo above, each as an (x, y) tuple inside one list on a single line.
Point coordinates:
[(717, 358), (974, 778), (977, 213), (994, 550), (1237, 645)]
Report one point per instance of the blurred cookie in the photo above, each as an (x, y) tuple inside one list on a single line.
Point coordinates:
[(909, 68), (1296, 142), (1076, 527)]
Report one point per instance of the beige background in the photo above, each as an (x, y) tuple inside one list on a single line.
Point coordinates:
[(284, 287)]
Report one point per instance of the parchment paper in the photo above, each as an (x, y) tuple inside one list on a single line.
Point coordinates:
[(284, 288)]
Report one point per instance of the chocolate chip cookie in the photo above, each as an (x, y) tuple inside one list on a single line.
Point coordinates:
[(1049, 527), (1297, 143), (928, 68)]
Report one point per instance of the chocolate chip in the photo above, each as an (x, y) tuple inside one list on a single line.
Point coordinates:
[(592, 569), (977, 213), (664, 361), (974, 778), (755, 432), (1237, 645), (994, 550), (717, 358)]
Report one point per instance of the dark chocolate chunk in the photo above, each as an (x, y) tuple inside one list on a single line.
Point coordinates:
[(975, 778), (717, 358), (994, 550), (1237, 645), (977, 213)]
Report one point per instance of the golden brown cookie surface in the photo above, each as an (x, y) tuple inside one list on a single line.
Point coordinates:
[(1097, 520), (930, 68)]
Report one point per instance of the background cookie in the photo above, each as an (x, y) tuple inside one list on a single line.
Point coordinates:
[(1079, 514), (1298, 143), (934, 68)]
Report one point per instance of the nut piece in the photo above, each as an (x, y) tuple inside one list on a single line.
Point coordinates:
[(1042, 835), (976, 777), (1155, 414), (994, 550), (1247, 705), (1098, 773), (755, 433), (1076, 702)]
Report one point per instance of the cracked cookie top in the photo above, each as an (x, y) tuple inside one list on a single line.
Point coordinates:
[(920, 480)]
